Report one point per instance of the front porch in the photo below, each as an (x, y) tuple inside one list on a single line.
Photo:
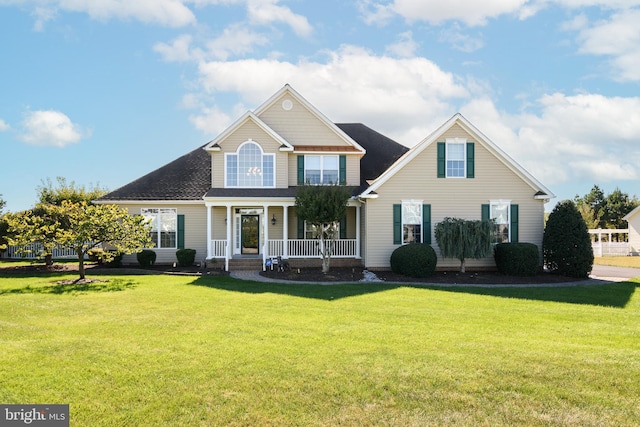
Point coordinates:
[(248, 230)]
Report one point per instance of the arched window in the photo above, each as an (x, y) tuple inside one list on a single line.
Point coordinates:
[(249, 167)]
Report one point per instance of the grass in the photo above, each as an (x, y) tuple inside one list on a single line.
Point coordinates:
[(176, 350), (619, 261)]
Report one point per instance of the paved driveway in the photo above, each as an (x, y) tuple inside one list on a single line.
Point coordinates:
[(614, 274)]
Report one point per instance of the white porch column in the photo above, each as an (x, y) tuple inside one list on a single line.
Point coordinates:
[(285, 231), (265, 226), (358, 232), (209, 254), (228, 248)]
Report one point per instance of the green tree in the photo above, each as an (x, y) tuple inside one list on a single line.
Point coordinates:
[(591, 206), (82, 227), (39, 225), (4, 227), (566, 245), (464, 239), (323, 206), (617, 205), (50, 194)]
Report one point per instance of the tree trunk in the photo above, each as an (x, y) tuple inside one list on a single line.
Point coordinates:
[(81, 263), (48, 259), (462, 266), (325, 264)]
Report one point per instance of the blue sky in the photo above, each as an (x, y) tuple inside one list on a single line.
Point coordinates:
[(103, 91)]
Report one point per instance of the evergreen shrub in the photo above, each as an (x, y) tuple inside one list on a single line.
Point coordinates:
[(146, 258), (517, 259), (414, 260), (186, 257)]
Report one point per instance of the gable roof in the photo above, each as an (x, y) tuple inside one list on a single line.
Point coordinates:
[(287, 89), (541, 191), (214, 145), (186, 178), (628, 216)]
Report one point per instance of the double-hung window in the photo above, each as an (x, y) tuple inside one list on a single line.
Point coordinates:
[(456, 158), (504, 215), (499, 212), (164, 226), (249, 167), (411, 221), (321, 169)]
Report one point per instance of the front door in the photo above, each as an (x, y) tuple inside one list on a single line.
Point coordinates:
[(250, 234)]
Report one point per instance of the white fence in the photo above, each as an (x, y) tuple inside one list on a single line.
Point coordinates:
[(603, 245), (34, 250)]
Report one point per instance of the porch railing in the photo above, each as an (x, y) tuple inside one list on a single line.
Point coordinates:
[(218, 248), (309, 248)]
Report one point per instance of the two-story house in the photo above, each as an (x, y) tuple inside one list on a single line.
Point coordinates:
[(233, 198)]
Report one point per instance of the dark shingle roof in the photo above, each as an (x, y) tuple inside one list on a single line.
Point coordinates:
[(186, 178), (189, 177), (382, 152)]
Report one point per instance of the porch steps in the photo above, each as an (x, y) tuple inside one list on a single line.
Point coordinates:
[(245, 264)]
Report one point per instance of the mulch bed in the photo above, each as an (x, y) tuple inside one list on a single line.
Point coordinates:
[(439, 277)]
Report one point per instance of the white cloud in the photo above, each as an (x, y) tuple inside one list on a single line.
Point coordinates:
[(459, 40), (50, 128), (580, 137), (179, 50), (617, 37), (405, 47), (236, 40), (4, 126), (404, 98), (472, 13), (171, 13), (265, 12)]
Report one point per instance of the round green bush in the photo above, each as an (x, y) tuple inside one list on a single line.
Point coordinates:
[(186, 257), (146, 258), (414, 260), (517, 259), (566, 245)]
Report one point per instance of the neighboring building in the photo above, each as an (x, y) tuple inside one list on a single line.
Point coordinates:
[(633, 219), (233, 198)]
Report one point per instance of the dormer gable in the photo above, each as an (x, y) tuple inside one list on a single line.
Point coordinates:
[(303, 125), (249, 117)]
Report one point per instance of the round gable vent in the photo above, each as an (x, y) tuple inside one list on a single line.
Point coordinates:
[(287, 104)]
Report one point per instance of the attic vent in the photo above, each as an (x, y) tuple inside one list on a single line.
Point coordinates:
[(287, 104)]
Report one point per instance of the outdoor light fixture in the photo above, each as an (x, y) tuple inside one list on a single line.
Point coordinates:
[(273, 219)]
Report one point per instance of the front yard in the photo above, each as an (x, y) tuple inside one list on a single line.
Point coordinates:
[(179, 350)]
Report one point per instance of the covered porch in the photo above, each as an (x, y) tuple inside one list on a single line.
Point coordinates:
[(253, 228)]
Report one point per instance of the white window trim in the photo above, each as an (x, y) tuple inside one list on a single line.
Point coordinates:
[(420, 203), (501, 202), (145, 213), (322, 157), (456, 141), (235, 153)]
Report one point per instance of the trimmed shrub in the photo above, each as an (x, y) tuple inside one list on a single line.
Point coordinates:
[(116, 261), (146, 258), (566, 245), (414, 260), (517, 259), (186, 257)]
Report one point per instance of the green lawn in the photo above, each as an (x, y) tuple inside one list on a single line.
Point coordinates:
[(186, 351), (619, 261)]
